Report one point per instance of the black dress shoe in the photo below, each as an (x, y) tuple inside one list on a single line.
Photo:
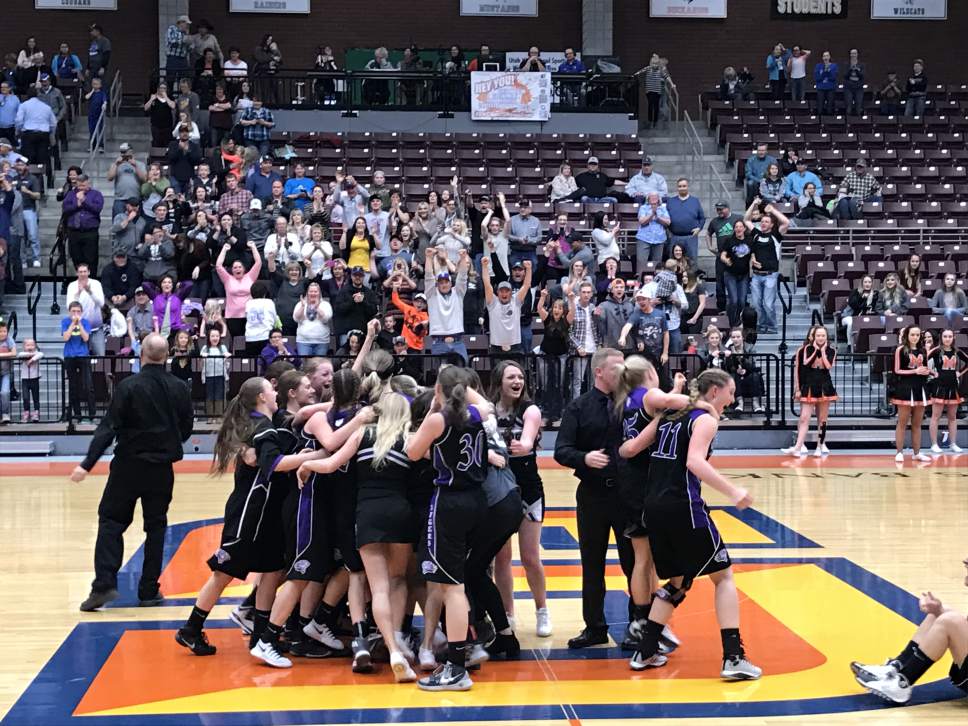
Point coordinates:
[(98, 599), (588, 637), (151, 601)]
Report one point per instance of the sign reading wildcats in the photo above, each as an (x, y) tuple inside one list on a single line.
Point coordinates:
[(510, 96), (909, 9)]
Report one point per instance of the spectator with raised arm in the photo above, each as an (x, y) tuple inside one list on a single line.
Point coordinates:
[(776, 70), (764, 244), (916, 90), (445, 307), (504, 309), (238, 284), (797, 73)]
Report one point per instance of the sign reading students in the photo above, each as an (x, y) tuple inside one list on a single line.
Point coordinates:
[(808, 9)]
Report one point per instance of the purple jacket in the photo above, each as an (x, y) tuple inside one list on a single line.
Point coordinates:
[(85, 216), (159, 300)]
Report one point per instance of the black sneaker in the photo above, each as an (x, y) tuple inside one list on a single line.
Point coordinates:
[(448, 677), (362, 661), (151, 601), (506, 645), (195, 641), (98, 599), (309, 648)]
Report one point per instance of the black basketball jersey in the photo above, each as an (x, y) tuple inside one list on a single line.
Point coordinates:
[(634, 421), (337, 419), (511, 425), (670, 481), (459, 455), (394, 471)]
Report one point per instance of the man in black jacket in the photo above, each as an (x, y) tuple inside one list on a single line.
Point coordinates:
[(355, 305), (182, 157), (588, 442), (150, 415), (120, 278)]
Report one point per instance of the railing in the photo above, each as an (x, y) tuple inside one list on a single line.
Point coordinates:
[(672, 98), (42, 401), (114, 95), (861, 382), (431, 90), (700, 170)]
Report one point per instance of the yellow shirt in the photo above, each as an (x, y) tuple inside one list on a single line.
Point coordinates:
[(359, 253)]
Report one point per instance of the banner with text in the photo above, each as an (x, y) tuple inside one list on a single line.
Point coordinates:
[(521, 8), (510, 96), (687, 8), (909, 9), (514, 58), (75, 4), (297, 7), (808, 9)]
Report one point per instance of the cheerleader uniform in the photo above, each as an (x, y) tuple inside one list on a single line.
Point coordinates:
[(253, 536), (306, 511), (813, 379), (633, 472), (948, 364), (910, 389), (382, 511), (342, 513), (524, 467), (459, 458)]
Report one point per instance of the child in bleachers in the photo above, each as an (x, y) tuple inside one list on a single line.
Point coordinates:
[(30, 380), (8, 351), (182, 353), (215, 371), (742, 366), (213, 317)]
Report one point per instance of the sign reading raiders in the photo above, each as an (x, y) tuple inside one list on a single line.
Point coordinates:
[(808, 9)]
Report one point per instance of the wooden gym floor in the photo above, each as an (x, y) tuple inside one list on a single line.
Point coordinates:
[(828, 564)]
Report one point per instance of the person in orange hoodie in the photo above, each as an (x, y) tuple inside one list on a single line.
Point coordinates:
[(415, 319)]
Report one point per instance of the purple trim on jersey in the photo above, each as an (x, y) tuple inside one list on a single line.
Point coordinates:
[(304, 517), (445, 477), (431, 526), (473, 414), (697, 507), (272, 468), (636, 399)]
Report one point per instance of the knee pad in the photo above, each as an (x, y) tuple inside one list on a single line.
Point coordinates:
[(671, 594)]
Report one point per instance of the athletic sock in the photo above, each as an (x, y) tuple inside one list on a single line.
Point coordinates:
[(456, 652), (649, 644), (823, 434), (259, 621), (905, 655), (249, 601), (303, 622), (196, 621), (360, 630), (270, 635), (641, 612), (325, 614), (294, 626), (732, 645), (916, 665), (407, 623)]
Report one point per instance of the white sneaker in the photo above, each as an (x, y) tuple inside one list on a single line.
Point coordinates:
[(935, 449), (402, 672), (794, 451), (243, 618), (824, 450), (670, 637), (427, 660), (955, 449), (817, 453), (638, 662), (403, 645), (921, 456), (864, 673), (543, 618), (477, 655), (739, 669), (35, 263), (267, 653), (322, 634), (892, 687), (899, 457)]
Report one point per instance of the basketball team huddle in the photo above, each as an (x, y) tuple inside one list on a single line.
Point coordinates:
[(389, 497)]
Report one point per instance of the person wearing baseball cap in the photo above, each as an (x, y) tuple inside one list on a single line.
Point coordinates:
[(445, 306), (177, 48), (595, 184), (639, 186), (415, 319), (354, 305), (719, 231), (504, 308), (857, 188), (797, 180)]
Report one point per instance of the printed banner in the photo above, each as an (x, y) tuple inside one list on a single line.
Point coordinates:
[(687, 8), (521, 8), (509, 96), (298, 7), (552, 59), (76, 4), (808, 9), (909, 9)]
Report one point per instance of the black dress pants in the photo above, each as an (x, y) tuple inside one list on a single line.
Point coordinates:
[(501, 521)]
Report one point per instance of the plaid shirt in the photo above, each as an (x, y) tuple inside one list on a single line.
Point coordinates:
[(176, 42), (583, 319), (861, 187), (236, 202), (256, 132)]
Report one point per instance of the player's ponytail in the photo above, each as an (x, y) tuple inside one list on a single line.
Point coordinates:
[(237, 427), (635, 370), (699, 386), (452, 387)]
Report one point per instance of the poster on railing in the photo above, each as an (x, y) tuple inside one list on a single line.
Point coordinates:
[(687, 8), (909, 9), (510, 96)]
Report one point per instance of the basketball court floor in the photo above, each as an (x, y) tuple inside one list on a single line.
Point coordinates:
[(829, 562)]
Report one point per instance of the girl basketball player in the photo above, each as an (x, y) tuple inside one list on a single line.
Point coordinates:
[(252, 536), (813, 388), (455, 439), (384, 532), (949, 365), (910, 397), (519, 421), (685, 542)]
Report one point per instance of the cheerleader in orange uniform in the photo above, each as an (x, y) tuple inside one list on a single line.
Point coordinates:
[(948, 365), (910, 391), (813, 388)]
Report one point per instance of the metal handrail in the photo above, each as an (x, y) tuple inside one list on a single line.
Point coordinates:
[(672, 95), (100, 128), (114, 95)]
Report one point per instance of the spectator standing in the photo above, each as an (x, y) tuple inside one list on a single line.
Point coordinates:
[(646, 181), (797, 73), (298, 188), (354, 306), (128, 174), (9, 105), (854, 85), (415, 319), (177, 48), (182, 156), (718, 232), (260, 181), (649, 329), (29, 189), (220, 120), (127, 227), (312, 315), (686, 220), (52, 96), (97, 100), (653, 232), (585, 338), (76, 332), (238, 285), (613, 313), (594, 185), (445, 307), (755, 170), (378, 223), (160, 109), (157, 253), (890, 95), (776, 69), (604, 232), (66, 66), (504, 309), (82, 216), (554, 355), (119, 279), (167, 301), (857, 188), (764, 244), (89, 294), (571, 90), (825, 81), (916, 91), (98, 53), (524, 234), (236, 199), (256, 224), (37, 125), (260, 318), (256, 123), (656, 77), (204, 39)]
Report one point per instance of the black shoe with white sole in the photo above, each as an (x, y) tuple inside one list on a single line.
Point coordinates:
[(195, 641)]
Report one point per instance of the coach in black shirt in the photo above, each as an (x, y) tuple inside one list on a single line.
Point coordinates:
[(150, 415), (588, 442)]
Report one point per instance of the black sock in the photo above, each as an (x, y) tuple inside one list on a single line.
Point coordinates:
[(407, 623), (641, 612), (649, 645), (732, 645), (905, 655), (915, 666), (259, 621), (325, 614), (196, 621), (456, 652), (270, 634), (360, 630), (823, 434), (249, 601), (293, 626), (303, 622)]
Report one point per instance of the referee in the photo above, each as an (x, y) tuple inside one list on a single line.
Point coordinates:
[(588, 442), (150, 414)]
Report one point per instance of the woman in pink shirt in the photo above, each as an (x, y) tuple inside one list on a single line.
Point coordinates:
[(238, 287)]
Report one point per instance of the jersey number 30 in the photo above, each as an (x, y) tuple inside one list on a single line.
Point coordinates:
[(471, 451)]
